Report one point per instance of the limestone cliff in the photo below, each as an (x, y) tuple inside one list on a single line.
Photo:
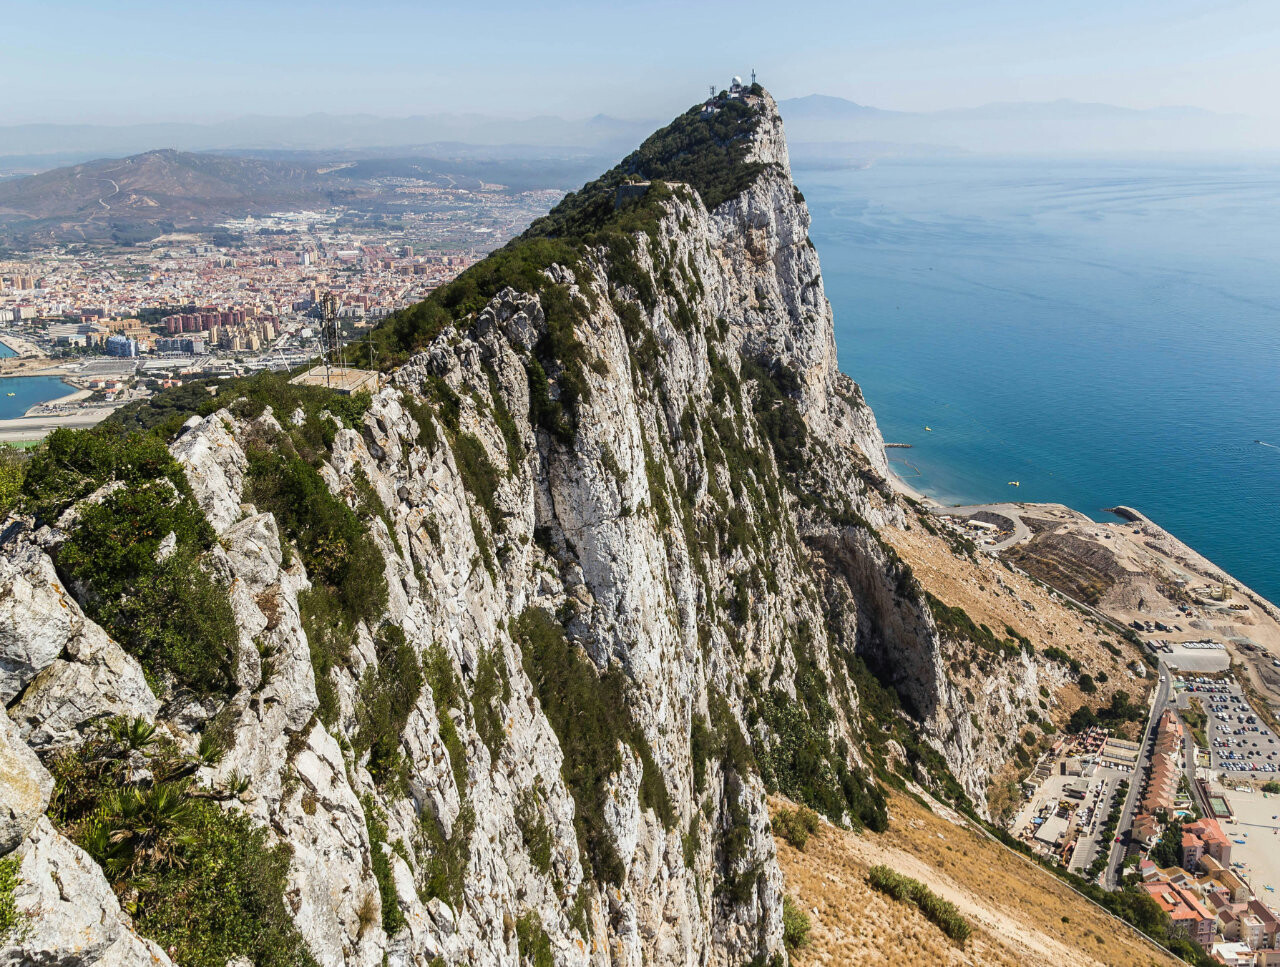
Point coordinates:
[(625, 508)]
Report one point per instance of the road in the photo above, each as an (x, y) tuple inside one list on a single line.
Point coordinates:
[(1163, 686), (1021, 532), (1189, 753)]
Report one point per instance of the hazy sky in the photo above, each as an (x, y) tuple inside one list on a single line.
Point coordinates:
[(137, 60)]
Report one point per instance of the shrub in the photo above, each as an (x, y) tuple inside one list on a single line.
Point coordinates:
[(447, 694), (204, 880), (443, 862), (804, 764), (1054, 653), (490, 692), (904, 889), (12, 920), (170, 614), (479, 475), (534, 831), (334, 545), (13, 469), (589, 713), (1087, 684), (388, 693), (375, 823), (795, 825), (532, 941), (795, 925)]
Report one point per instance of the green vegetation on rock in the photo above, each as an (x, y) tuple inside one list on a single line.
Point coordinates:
[(201, 880), (12, 920), (589, 713), (167, 611)]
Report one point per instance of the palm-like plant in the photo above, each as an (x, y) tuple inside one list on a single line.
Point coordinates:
[(135, 827)]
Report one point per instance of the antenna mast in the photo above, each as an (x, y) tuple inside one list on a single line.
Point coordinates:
[(330, 343)]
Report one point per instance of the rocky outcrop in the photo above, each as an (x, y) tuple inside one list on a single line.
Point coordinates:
[(685, 497), (70, 916), (25, 786)]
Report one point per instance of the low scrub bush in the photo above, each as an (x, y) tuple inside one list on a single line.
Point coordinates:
[(388, 693), (589, 713), (904, 889), (12, 920), (169, 613), (795, 925), (796, 825), (205, 882)]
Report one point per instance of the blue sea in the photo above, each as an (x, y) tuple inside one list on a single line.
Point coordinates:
[(27, 390), (1103, 333)]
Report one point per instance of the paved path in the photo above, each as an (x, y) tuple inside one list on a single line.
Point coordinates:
[(1163, 685)]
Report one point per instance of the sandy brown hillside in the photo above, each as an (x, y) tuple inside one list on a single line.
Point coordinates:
[(1020, 914)]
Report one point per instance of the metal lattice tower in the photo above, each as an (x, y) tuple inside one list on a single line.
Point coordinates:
[(330, 335)]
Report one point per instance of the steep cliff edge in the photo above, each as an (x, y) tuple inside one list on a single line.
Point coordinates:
[(497, 665)]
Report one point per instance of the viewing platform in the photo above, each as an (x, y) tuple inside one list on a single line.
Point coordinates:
[(340, 379)]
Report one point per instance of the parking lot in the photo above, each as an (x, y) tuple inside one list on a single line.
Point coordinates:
[(1238, 741)]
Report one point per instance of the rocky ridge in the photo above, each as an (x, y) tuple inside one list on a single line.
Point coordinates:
[(637, 489)]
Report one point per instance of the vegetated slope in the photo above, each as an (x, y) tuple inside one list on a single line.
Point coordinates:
[(1019, 914), (503, 657)]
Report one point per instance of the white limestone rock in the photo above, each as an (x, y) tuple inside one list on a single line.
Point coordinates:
[(72, 917), (25, 787)]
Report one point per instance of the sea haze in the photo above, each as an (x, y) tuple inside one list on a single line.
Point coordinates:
[(1102, 333)]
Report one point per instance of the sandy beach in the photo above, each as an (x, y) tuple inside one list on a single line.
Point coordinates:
[(904, 488)]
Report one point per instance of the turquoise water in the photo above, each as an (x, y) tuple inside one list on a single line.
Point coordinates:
[(1103, 333), (27, 390)]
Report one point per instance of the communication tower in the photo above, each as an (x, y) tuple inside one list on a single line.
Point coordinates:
[(330, 334)]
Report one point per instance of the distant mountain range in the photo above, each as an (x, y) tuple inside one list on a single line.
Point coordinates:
[(145, 195), (822, 107), (1040, 127), (1062, 127), (29, 145), (158, 189)]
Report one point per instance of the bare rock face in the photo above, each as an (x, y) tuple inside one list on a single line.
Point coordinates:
[(37, 616), (72, 919), (25, 786), (63, 672)]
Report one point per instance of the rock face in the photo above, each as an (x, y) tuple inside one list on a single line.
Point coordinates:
[(72, 919), (697, 521)]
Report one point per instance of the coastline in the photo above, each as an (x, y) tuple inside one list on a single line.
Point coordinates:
[(902, 487)]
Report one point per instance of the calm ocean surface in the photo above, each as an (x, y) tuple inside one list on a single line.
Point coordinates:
[(1103, 333), (27, 390)]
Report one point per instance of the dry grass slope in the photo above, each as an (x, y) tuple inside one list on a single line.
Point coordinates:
[(1020, 914)]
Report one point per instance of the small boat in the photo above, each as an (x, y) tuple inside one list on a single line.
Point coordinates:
[(10, 394), (1015, 483), (929, 428)]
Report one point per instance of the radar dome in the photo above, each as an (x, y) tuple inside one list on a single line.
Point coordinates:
[(737, 81)]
